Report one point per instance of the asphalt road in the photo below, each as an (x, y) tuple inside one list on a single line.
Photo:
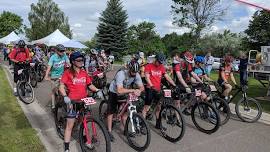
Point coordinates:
[(235, 136)]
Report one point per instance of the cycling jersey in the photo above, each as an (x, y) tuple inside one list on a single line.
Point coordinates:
[(185, 69), (227, 70), (57, 64), (122, 78), (156, 73), (91, 64), (76, 85), (19, 54), (199, 72)]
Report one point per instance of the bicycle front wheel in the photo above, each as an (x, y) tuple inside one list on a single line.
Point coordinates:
[(99, 137), (222, 108), (33, 78), (137, 132), (60, 118), (248, 110), (25, 92), (102, 110), (205, 117)]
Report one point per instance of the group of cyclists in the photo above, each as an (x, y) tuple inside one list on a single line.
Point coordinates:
[(72, 75)]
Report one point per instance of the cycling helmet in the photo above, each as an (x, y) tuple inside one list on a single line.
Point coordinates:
[(21, 44), (136, 56), (199, 59), (74, 55), (141, 54), (134, 66), (228, 59), (160, 57), (60, 47), (188, 57), (93, 51)]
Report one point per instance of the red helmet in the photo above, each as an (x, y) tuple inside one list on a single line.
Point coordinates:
[(228, 59), (188, 57)]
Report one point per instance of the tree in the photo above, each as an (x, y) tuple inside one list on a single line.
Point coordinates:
[(45, 17), (10, 22), (112, 28), (143, 37), (196, 14), (258, 30)]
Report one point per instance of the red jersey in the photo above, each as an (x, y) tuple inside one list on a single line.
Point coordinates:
[(156, 73), (19, 54), (227, 70), (185, 69), (76, 86)]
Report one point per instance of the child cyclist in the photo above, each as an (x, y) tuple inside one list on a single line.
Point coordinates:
[(76, 80)]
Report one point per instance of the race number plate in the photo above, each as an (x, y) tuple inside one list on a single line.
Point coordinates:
[(213, 88), (32, 64), (198, 93), (132, 97), (167, 93), (89, 101), (20, 71)]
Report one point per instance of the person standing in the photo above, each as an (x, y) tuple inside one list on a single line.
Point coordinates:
[(209, 60), (243, 68)]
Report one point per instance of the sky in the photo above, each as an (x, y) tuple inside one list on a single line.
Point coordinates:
[(83, 14)]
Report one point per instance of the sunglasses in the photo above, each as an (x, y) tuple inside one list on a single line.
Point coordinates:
[(62, 51), (79, 60)]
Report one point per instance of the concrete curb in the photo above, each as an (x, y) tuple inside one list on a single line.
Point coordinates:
[(40, 120)]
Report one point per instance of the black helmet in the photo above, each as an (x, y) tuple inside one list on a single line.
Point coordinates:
[(161, 58), (21, 43), (134, 66), (60, 47), (75, 55)]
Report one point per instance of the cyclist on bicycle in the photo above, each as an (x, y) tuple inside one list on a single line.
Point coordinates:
[(226, 73), (154, 72), (91, 62), (119, 87), (75, 80), (55, 69), (19, 56), (38, 56), (199, 70)]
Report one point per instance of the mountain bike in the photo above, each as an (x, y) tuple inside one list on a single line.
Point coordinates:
[(41, 71), (136, 130), (172, 121), (24, 88), (33, 75), (204, 116), (247, 109), (93, 135)]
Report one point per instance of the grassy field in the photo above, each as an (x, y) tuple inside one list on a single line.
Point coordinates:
[(255, 89), (16, 134)]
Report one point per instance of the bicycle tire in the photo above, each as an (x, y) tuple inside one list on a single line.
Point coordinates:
[(41, 72), (33, 78), (222, 108), (103, 130), (60, 119), (205, 105), (22, 85), (241, 116), (102, 110), (182, 121), (137, 117)]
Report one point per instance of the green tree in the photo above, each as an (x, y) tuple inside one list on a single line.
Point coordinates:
[(45, 17), (258, 30), (196, 14), (10, 22), (143, 37), (112, 28)]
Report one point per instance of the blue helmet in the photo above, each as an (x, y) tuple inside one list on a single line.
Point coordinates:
[(75, 55), (199, 59)]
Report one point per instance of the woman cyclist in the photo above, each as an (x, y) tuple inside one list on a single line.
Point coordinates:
[(76, 80), (226, 73)]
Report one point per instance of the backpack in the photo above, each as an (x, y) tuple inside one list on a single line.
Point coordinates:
[(126, 77), (18, 51)]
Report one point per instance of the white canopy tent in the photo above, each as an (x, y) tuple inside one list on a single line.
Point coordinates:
[(53, 39), (74, 44), (12, 37)]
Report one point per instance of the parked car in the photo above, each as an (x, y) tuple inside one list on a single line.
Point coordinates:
[(236, 64), (216, 64)]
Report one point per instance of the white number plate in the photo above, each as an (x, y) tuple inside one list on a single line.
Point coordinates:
[(89, 101), (167, 93)]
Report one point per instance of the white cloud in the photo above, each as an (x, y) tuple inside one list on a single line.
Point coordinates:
[(77, 25)]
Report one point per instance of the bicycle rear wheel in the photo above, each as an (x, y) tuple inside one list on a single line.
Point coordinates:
[(99, 137), (222, 108), (25, 92), (205, 117), (139, 138), (33, 77), (172, 123), (41, 72), (248, 110)]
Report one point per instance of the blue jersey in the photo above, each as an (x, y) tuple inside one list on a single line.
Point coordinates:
[(57, 64)]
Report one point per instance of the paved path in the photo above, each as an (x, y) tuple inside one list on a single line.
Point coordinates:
[(235, 136)]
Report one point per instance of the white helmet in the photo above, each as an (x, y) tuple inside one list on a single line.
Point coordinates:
[(141, 54), (93, 51)]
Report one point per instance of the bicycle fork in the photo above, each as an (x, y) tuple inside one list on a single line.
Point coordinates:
[(88, 139), (132, 109)]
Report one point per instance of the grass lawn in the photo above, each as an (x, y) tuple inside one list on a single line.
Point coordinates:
[(255, 89), (16, 134)]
